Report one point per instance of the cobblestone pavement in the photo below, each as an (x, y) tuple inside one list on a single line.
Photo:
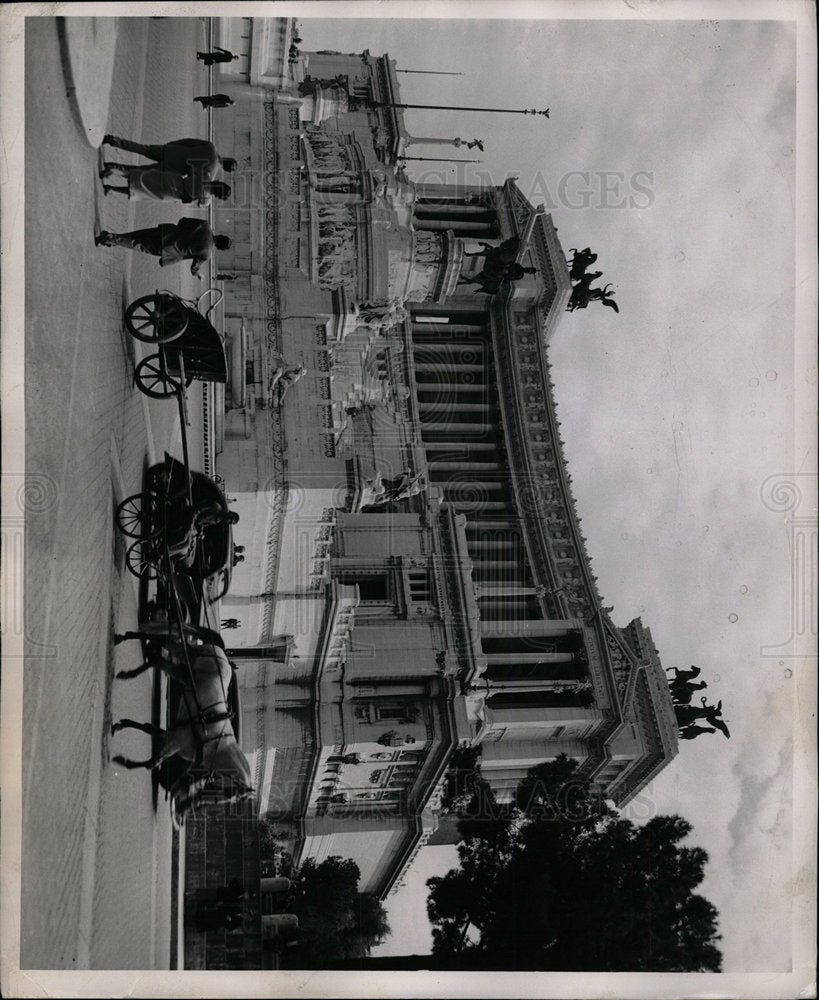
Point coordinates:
[(96, 853)]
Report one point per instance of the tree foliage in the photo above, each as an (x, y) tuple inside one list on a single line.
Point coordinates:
[(563, 883), (336, 921)]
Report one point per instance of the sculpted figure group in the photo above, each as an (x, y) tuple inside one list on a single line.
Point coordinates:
[(582, 278), (682, 687)]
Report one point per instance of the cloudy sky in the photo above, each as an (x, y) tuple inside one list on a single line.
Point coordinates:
[(671, 151)]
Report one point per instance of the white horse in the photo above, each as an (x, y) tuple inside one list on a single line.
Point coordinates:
[(202, 733)]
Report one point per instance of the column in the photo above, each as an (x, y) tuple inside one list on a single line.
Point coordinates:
[(494, 591), (459, 467), (437, 367), (459, 228), (501, 629), (428, 334), (452, 407), (493, 545), (428, 429)]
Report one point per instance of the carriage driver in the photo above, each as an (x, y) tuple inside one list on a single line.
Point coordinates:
[(204, 515)]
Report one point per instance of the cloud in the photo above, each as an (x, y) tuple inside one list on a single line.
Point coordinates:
[(763, 803)]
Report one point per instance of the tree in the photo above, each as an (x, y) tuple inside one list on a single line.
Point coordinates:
[(275, 859), (572, 886), (462, 777), (336, 921)]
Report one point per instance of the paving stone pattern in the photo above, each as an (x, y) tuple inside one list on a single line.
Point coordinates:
[(96, 853)]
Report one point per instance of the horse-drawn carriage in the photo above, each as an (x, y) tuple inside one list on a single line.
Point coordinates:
[(188, 345), (199, 757), (174, 542), (183, 540)]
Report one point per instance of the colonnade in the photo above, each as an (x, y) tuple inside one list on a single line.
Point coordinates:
[(530, 660), (470, 219)]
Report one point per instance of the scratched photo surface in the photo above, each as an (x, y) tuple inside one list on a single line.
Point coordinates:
[(411, 564)]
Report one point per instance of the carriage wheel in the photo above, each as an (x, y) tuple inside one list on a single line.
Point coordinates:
[(156, 319), (139, 564), (152, 379), (134, 515)]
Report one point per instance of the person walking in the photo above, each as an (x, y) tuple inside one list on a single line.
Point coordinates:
[(156, 184), (191, 157), (215, 101), (188, 239), (219, 55)]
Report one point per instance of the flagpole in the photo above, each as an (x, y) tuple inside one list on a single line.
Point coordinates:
[(438, 159), (450, 107)]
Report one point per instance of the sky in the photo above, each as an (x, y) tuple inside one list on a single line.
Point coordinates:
[(671, 151)]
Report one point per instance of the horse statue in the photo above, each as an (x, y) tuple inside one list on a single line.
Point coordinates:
[(202, 736), (688, 716), (684, 675), (683, 691), (682, 685), (580, 262), (692, 732), (583, 293), (500, 267)]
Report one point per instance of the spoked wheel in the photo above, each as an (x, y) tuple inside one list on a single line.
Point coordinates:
[(134, 515), (140, 564), (156, 319), (152, 379)]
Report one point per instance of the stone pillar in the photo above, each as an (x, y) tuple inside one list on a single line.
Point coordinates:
[(463, 227), (459, 428), (461, 467), (441, 338), (436, 367), (536, 658), (448, 406), (495, 591), (556, 626)]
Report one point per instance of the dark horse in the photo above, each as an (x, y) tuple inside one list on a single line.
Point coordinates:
[(583, 293), (580, 262)]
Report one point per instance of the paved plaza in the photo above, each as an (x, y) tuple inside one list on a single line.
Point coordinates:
[(96, 852)]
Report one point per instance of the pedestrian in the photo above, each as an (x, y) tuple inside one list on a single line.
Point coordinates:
[(191, 157), (188, 239), (215, 101), (158, 184), (219, 55)]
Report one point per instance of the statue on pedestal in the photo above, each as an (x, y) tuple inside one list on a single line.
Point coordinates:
[(500, 267)]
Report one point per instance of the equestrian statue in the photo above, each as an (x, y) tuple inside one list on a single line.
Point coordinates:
[(583, 293), (580, 262), (683, 687), (500, 267), (687, 717)]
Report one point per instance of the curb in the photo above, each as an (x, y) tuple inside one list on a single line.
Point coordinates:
[(68, 73), (87, 53)]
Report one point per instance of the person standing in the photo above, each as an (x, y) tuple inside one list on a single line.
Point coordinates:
[(188, 239), (215, 101), (191, 157), (219, 55), (156, 184)]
